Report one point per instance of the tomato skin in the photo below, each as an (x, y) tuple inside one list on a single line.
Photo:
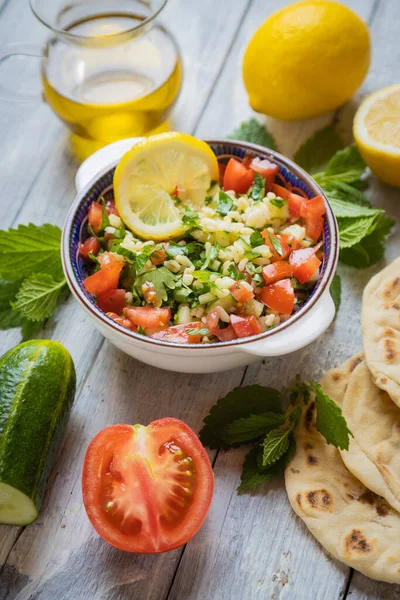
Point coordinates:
[(227, 334), (276, 271), (212, 319), (148, 316), (104, 280), (305, 263), (295, 202), (315, 207), (221, 172), (112, 301), (245, 326), (284, 245), (111, 208), (267, 169), (122, 321), (279, 296), (314, 227), (134, 452), (178, 334), (95, 216), (240, 292), (92, 245), (159, 254), (237, 177)]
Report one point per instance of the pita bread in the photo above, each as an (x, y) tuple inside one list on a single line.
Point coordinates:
[(335, 384), (380, 319), (375, 423), (355, 525)]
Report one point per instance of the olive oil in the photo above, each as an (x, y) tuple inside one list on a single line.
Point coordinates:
[(109, 87)]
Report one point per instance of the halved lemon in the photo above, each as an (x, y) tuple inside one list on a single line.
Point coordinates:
[(154, 171), (377, 133)]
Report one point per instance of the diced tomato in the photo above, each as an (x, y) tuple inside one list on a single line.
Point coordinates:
[(212, 319), (279, 296), (290, 240), (179, 334), (148, 317), (285, 248), (245, 325), (175, 191), (267, 169), (276, 271), (112, 301), (314, 227), (147, 489), (240, 292), (104, 280), (159, 254), (237, 177), (95, 216), (91, 245), (221, 170), (122, 321), (109, 258), (295, 202), (315, 207), (305, 263), (111, 208), (281, 191), (227, 334)]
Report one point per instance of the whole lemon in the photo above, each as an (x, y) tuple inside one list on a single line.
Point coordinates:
[(306, 59)]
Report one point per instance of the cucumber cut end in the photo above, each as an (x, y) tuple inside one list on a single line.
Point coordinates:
[(15, 507)]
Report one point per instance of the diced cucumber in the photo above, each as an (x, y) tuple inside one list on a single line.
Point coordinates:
[(223, 238), (253, 307), (183, 315), (279, 213), (227, 302)]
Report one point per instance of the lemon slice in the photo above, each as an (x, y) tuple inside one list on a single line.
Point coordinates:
[(152, 172), (377, 133)]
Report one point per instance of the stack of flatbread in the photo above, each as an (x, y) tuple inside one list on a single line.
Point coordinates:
[(350, 500)]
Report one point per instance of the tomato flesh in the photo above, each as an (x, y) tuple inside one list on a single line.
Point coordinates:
[(95, 216), (237, 177), (305, 263), (245, 326), (267, 169), (284, 246), (276, 271), (179, 334), (240, 292), (91, 245), (147, 489), (159, 254), (148, 316), (112, 301), (226, 334), (106, 279), (122, 321), (279, 296)]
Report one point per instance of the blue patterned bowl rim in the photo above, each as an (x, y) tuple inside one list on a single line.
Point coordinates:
[(75, 230)]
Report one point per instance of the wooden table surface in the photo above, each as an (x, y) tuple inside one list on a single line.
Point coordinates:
[(251, 546)]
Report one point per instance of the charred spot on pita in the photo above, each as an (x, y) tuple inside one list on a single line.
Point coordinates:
[(390, 350), (355, 363), (308, 417), (320, 499), (356, 542)]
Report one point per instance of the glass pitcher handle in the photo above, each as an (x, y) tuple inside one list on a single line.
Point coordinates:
[(19, 49)]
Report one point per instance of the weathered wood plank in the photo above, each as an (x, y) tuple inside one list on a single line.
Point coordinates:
[(262, 549)]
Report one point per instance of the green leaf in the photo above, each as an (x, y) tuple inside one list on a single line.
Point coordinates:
[(250, 428), (254, 474), (346, 192), (371, 249), (240, 402), (190, 219), (336, 291), (275, 444), (346, 166), (9, 318), (202, 331), (276, 244), (352, 231), (181, 292), (278, 202), (175, 250), (330, 421), (105, 221), (30, 329), (252, 131), (256, 239), (225, 203), (258, 188), (37, 297), (317, 151), (161, 279), (210, 256), (344, 208), (30, 249)]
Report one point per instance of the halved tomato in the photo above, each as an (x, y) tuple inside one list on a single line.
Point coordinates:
[(237, 177), (279, 296), (148, 317), (91, 245), (276, 271), (283, 246), (305, 263), (245, 325), (95, 216), (240, 292), (179, 334), (147, 489), (112, 301)]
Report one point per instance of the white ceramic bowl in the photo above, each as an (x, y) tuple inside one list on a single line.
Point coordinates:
[(94, 179)]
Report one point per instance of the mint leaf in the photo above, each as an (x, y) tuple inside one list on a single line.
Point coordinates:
[(9, 318), (161, 279), (330, 421), (210, 256), (30, 249), (278, 202), (346, 166), (250, 428), (344, 191), (352, 231), (257, 192), (37, 297), (336, 291), (225, 203), (256, 239), (240, 402), (276, 244), (254, 474), (175, 250), (275, 444), (370, 249), (317, 151), (344, 208), (190, 219), (253, 131)]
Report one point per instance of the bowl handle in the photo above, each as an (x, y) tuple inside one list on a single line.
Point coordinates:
[(308, 328)]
